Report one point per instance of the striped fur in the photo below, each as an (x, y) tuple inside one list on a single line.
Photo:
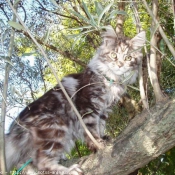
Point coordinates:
[(49, 124)]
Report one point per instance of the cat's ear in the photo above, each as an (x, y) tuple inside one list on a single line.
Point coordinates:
[(138, 40), (109, 36)]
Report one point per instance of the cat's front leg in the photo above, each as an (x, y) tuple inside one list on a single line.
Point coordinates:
[(93, 126), (47, 164)]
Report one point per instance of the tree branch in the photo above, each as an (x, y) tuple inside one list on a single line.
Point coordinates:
[(142, 84), (63, 53), (59, 14), (120, 18), (153, 58), (168, 43), (147, 136)]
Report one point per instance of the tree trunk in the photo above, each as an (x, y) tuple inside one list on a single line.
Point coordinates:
[(153, 57), (120, 18), (146, 137), (4, 97)]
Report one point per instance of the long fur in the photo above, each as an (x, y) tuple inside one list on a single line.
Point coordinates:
[(48, 128)]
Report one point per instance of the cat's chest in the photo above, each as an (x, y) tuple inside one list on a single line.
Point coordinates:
[(108, 93), (113, 93)]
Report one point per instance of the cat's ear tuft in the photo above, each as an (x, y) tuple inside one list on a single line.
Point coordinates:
[(139, 40), (109, 36)]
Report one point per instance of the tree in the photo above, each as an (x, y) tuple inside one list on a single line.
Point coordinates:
[(70, 30), (4, 101), (147, 136)]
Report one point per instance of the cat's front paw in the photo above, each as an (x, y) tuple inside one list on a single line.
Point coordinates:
[(75, 170)]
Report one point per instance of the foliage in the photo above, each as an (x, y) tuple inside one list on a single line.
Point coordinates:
[(69, 31), (167, 76), (163, 165), (80, 150), (117, 121)]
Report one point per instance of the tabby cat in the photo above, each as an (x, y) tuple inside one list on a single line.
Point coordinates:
[(48, 127)]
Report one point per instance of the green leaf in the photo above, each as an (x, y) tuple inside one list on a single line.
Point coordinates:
[(133, 87), (106, 9), (46, 37), (162, 46), (98, 7), (16, 2), (28, 54), (72, 36), (116, 12), (82, 17), (80, 34), (88, 13), (54, 2), (79, 16), (88, 31), (16, 25), (80, 28)]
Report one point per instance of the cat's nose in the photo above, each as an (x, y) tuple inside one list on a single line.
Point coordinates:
[(120, 64)]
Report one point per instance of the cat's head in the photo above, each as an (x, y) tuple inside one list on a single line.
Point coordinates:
[(118, 56)]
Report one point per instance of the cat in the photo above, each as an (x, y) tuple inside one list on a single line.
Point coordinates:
[(48, 127)]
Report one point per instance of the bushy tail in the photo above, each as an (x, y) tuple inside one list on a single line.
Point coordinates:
[(12, 153), (18, 149)]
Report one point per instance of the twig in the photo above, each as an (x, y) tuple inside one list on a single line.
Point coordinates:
[(84, 87), (143, 95), (136, 16), (17, 122), (89, 84), (3, 97), (55, 74), (173, 7), (170, 46), (155, 48), (170, 61)]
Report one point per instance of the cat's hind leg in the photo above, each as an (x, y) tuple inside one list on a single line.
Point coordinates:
[(51, 145)]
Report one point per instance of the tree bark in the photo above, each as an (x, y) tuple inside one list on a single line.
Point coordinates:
[(168, 43), (146, 137), (153, 57), (120, 18)]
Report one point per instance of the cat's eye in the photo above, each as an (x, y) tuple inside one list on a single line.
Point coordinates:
[(113, 56), (128, 58)]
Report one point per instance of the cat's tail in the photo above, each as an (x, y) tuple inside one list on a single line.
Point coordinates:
[(18, 149)]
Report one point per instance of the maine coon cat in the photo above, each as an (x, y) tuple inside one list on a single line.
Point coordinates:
[(48, 127)]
